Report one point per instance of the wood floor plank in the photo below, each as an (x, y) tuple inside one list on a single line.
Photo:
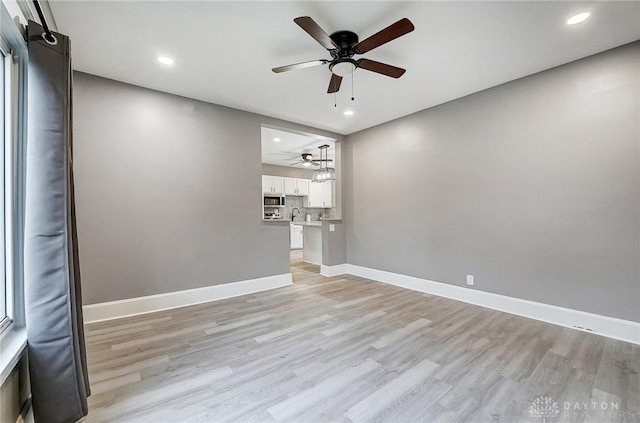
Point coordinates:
[(100, 376), (354, 323), (294, 328), (115, 383), (328, 387), (413, 406), (392, 391), (398, 334)]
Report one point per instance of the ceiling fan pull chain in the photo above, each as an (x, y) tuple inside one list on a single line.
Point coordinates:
[(352, 97), (335, 99)]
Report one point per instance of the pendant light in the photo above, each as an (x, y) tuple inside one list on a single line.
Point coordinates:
[(326, 173)]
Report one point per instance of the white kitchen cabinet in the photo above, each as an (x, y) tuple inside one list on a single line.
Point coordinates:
[(327, 195), (295, 186), (290, 186), (296, 237), (272, 184), (316, 194), (320, 195), (303, 186)]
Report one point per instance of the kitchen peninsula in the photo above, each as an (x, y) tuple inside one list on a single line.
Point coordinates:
[(312, 242)]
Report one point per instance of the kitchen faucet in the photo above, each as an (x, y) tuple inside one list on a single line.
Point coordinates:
[(292, 215)]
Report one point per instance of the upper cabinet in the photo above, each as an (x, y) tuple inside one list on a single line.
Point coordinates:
[(329, 197), (273, 184), (300, 187), (321, 195), (303, 186), (295, 186), (316, 195)]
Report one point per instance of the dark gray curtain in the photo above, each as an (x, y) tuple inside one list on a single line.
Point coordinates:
[(57, 359)]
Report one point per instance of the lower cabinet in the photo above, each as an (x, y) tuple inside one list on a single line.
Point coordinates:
[(296, 237)]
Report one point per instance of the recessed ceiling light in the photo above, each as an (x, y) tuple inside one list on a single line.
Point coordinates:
[(165, 60), (580, 17), (348, 112), (276, 140)]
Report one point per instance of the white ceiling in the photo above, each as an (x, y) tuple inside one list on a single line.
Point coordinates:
[(224, 51), (291, 146)]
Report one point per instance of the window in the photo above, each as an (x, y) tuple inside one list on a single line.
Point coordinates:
[(12, 133), (5, 320)]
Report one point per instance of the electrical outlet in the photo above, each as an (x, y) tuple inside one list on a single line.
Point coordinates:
[(332, 227), (469, 279)]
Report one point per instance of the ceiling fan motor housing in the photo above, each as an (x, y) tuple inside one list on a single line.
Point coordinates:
[(346, 42)]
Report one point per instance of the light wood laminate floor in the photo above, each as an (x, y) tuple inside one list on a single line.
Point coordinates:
[(346, 349)]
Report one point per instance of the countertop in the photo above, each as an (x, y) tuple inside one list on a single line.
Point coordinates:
[(305, 223)]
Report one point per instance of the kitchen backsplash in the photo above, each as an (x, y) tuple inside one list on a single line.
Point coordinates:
[(293, 201)]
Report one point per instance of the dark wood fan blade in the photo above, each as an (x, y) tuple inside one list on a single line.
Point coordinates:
[(299, 66), (382, 68), (312, 28), (334, 84), (393, 31)]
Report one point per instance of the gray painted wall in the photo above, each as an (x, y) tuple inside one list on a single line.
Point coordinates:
[(15, 391), (168, 192), (334, 244), (532, 186)]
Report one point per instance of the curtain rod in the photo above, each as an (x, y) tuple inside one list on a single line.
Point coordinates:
[(47, 35)]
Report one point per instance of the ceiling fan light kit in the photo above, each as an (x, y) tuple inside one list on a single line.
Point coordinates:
[(343, 45), (344, 68)]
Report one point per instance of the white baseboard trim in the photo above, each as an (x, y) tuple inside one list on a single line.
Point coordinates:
[(611, 327), (148, 304), (335, 270)]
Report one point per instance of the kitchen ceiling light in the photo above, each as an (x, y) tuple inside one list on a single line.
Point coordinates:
[(306, 164), (580, 17), (165, 60), (325, 173), (276, 140), (348, 112)]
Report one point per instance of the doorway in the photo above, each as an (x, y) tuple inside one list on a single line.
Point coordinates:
[(290, 159)]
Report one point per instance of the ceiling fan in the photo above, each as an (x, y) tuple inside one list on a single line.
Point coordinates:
[(343, 45), (307, 160)]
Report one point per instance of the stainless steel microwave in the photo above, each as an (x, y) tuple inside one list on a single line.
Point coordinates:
[(274, 200)]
